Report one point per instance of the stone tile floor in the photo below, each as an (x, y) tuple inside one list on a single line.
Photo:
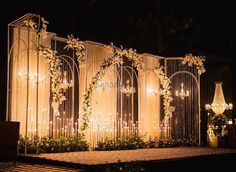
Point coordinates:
[(104, 157), (27, 167)]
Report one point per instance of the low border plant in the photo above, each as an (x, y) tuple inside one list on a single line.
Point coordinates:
[(136, 142), (78, 143), (50, 145)]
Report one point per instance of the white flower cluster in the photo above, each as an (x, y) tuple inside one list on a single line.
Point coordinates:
[(43, 30), (55, 73), (30, 23), (41, 27), (75, 43), (130, 53), (191, 60), (165, 82)]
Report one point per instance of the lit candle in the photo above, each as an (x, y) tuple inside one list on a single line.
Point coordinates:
[(60, 126), (44, 110), (72, 124), (65, 130), (63, 119), (230, 106), (207, 107), (47, 132), (32, 125), (50, 127), (40, 128), (76, 129), (30, 117), (78, 124)]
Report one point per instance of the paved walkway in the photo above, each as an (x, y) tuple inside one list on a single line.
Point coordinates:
[(104, 157), (27, 167)]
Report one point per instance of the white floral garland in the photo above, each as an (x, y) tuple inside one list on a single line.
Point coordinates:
[(87, 109), (115, 59), (191, 60), (55, 73), (130, 53), (75, 43), (42, 28), (165, 82)]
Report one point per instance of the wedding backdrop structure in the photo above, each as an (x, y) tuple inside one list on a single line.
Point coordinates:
[(58, 86)]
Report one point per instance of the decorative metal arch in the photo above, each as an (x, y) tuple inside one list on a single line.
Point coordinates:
[(86, 107), (188, 73), (17, 41), (197, 80), (125, 68)]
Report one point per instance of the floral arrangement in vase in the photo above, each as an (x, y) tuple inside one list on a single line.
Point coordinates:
[(218, 122)]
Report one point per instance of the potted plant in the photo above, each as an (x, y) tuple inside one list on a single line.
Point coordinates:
[(218, 122)]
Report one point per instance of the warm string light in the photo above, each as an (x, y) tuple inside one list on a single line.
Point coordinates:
[(111, 126), (164, 127), (43, 128), (65, 126)]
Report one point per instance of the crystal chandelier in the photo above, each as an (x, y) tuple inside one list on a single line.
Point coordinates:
[(153, 91), (182, 94), (65, 83), (33, 77), (127, 89), (219, 105)]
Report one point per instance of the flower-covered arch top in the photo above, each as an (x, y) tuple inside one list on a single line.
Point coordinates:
[(191, 60), (115, 59)]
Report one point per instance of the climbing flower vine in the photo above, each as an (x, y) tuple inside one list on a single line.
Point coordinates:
[(78, 46), (167, 97), (41, 27), (55, 74), (130, 53)]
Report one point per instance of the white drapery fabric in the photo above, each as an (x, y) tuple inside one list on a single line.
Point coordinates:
[(105, 120), (25, 48), (149, 99), (103, 101)]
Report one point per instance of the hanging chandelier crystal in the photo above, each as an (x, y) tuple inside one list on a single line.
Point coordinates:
[(182, 93), (127, 89), (33, 77), (219, 105), (153, 92), (65, 83)]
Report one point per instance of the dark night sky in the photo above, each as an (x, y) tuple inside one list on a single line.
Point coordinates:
[(147, 25), (159, 26), (168, 28)]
